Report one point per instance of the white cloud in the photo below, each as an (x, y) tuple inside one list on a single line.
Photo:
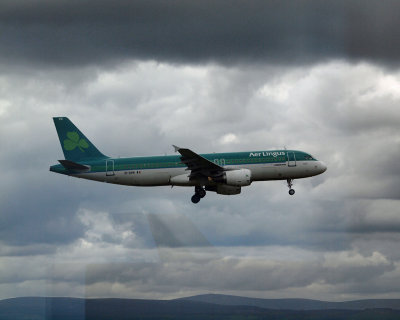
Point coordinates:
[(229, 138)]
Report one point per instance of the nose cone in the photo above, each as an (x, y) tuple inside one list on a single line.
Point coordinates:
[(322, 166)]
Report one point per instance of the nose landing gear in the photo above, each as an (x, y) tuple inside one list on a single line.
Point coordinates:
[(290, 184), (199, 193)]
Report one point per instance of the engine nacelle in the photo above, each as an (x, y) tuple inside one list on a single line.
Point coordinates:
[(238, 178), (224, 189), (228, 190)]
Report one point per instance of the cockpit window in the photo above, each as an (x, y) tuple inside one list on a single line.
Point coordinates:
[(308, 157)]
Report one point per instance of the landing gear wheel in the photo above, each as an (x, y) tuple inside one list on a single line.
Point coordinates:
[(202, 193), (195, 198), (198, 190), (290, 184)]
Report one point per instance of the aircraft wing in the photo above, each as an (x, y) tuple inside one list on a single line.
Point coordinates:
[(198, 165)]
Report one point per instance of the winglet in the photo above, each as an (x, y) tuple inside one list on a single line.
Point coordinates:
[(176, 148)]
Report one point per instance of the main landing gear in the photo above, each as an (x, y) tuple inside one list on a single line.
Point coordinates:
[(199, 193), (290, 184)]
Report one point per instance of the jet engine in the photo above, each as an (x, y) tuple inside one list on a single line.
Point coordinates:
[(238, 178)]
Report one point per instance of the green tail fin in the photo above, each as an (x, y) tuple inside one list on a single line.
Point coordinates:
[(75, 145)]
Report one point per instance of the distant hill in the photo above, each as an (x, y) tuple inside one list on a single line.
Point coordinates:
[(35, 308), (295, 304)]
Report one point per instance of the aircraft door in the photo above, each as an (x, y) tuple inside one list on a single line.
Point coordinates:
[(110, 168), (291, 159)]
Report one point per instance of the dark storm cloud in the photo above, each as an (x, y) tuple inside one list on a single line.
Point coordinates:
[(288, 32)]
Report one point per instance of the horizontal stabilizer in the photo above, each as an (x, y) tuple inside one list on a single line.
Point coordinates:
[(67, 164)]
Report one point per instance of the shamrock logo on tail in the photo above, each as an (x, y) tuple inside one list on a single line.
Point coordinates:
[(74, 141)]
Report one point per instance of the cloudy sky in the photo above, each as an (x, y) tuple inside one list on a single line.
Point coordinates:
[(139, 76)]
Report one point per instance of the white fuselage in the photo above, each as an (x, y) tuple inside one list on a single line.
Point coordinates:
[(163, 176)]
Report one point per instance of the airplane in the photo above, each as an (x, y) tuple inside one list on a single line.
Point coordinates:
[(223, 173)]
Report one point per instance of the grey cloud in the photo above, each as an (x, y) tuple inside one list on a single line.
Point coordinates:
[(326, 219), (175, 231), (386, 283), (380, 216), (385, 242), (39, 219), (140, 108), (69, 33), (219, 274), (192, 270), (26, 249)]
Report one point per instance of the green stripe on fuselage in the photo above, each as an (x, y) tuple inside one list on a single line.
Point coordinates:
[(174, 161)]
